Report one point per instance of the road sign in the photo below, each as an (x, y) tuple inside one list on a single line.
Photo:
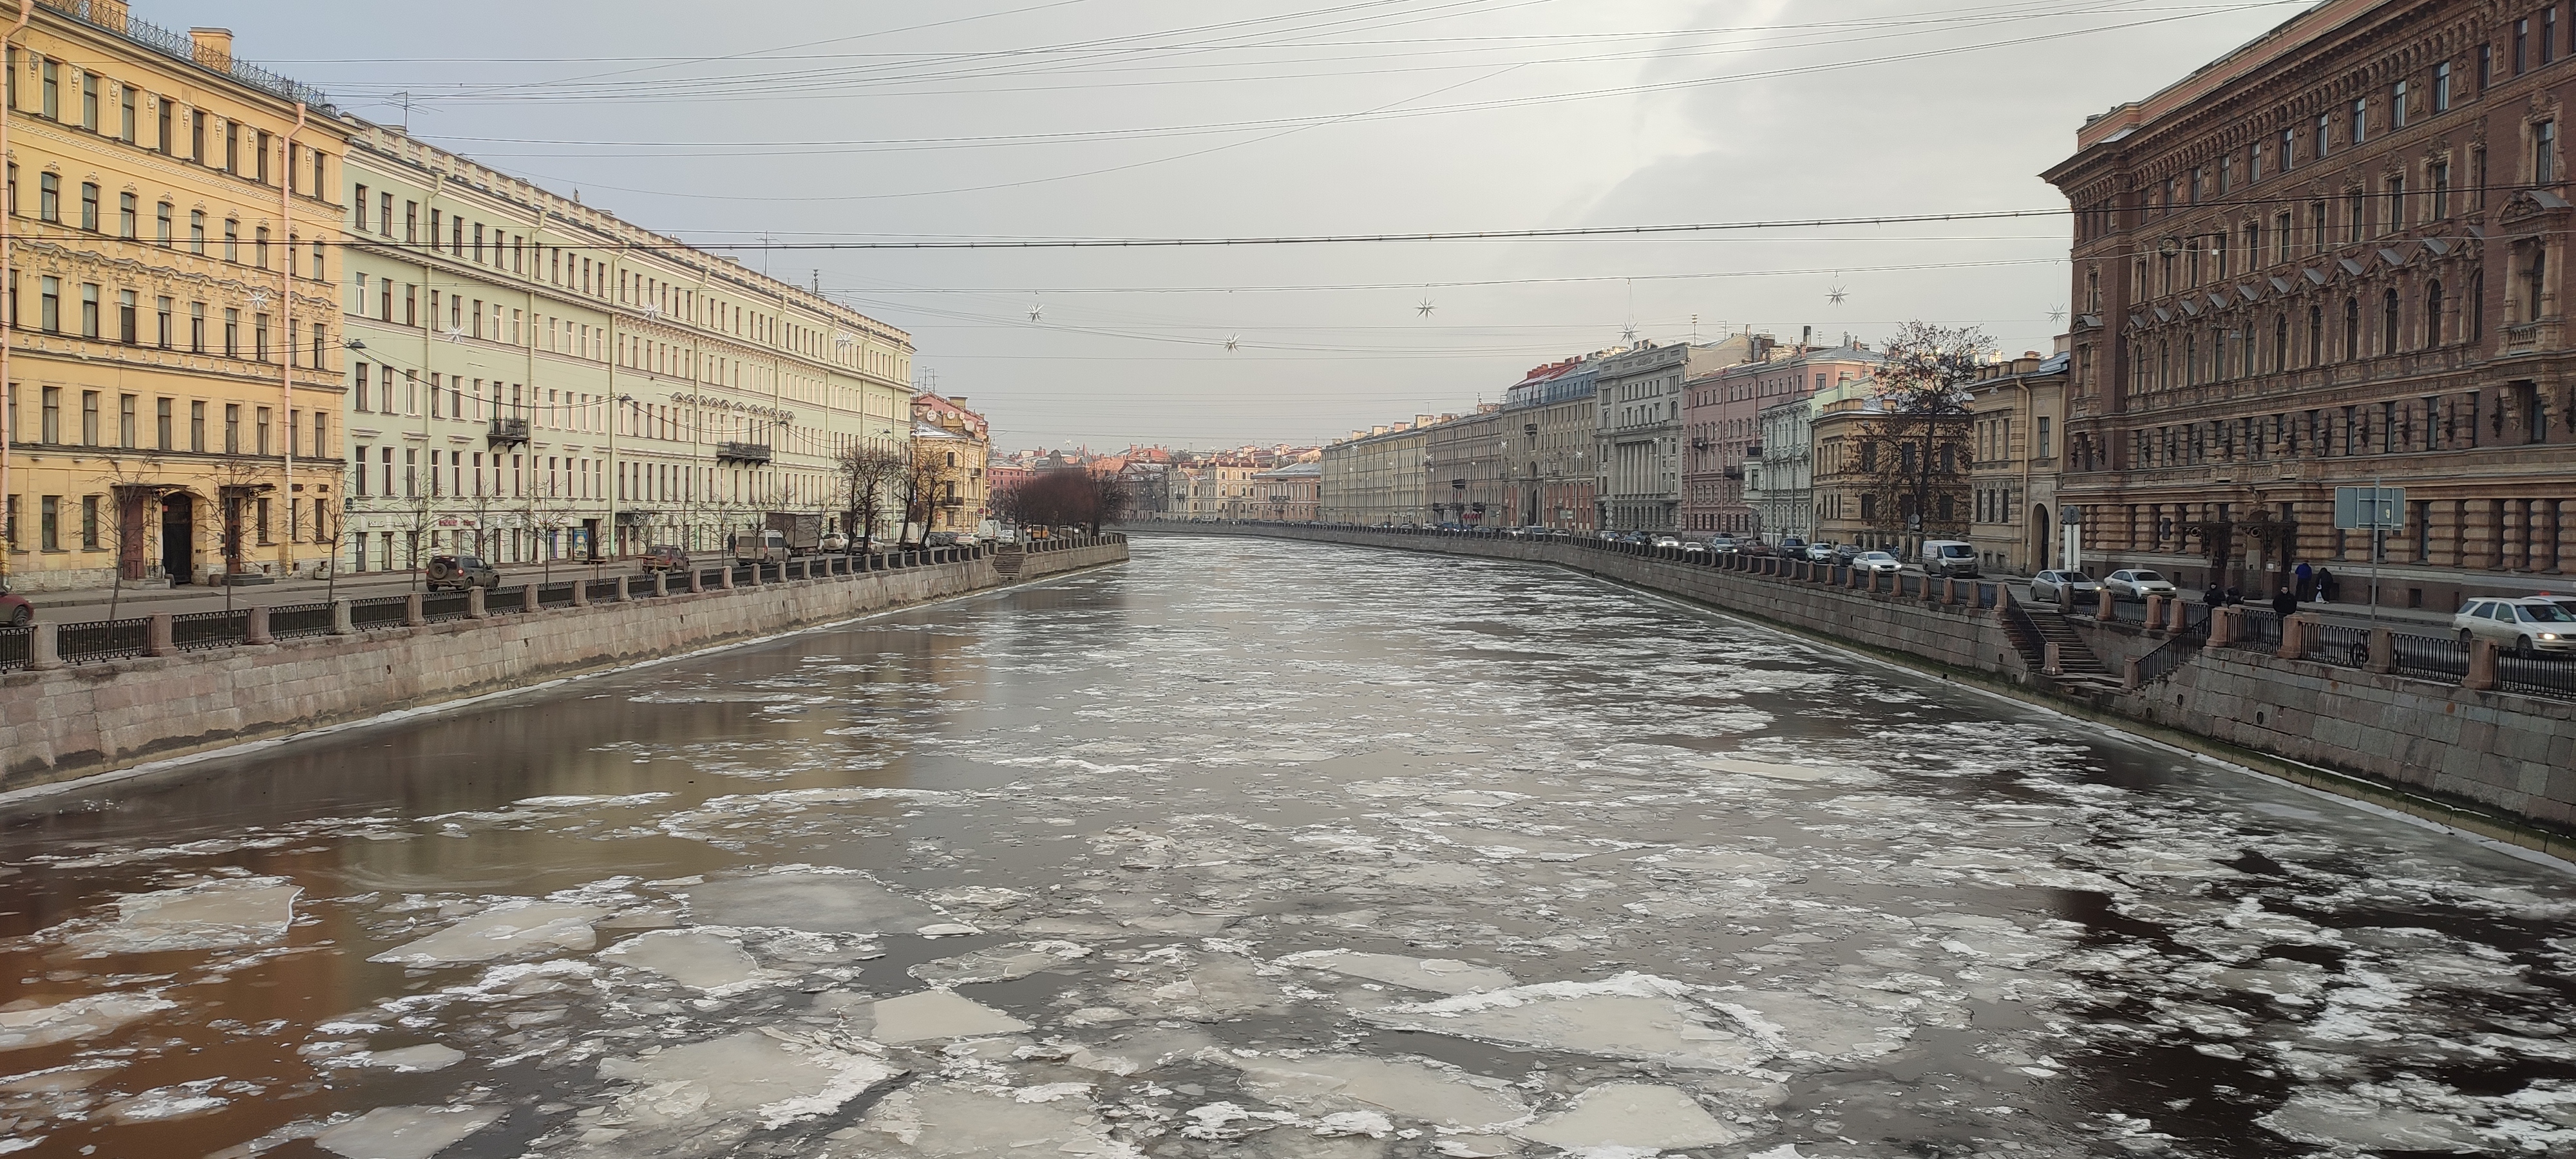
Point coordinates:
[(2370, 508)]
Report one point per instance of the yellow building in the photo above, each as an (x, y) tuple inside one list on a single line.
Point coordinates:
[(170, 348), (953, 445)]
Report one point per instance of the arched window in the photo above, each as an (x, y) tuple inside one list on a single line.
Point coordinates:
[(2433, 313), (2281, 342), (2164, 364), (2477, 306), (2190, 359), (2351, 329), (2388, 322)]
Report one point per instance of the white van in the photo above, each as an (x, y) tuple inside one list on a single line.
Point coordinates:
[(1949, 557)]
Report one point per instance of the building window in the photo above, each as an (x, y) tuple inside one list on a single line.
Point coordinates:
[(2396, 219), (2441, 177), (2397, 105), (89, 310), (51, 415), (358, 211), (89, 206), (162, 423), (49, 305), (125, 117), (2360, 122), (2544, 153), (2549, 34), (232, 240), (2535, 283), (161, 224), (89, 101), (49, 509), (2442, 87), (126, 417), (2521, 44), (2287, 153), (2486, 66), (232, 428), (49, 197), (2388, 322), (2351, 329), (2316, 335), (89, 418), (125, 321), (197, 426), (197, 327)]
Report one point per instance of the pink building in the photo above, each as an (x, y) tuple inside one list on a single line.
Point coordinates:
[(1721, 423)]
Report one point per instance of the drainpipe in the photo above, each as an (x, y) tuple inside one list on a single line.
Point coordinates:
[(2030, 446), (286, 308), (9, 413)]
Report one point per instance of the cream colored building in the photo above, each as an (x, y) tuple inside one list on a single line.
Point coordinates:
[(542, 380), (1381, 476), (2016, 415), (957, 443), (172, 355)]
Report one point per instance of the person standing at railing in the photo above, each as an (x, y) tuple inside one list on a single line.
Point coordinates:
[(2306, 577), (2284, 604), (2326, 585)]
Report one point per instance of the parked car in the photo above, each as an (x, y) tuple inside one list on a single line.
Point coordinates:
[(2064, 588), (1949, 557), (1877, 563), (1671, 541), (2137, 583), (461, 572), (1793, 547), (1752, 547), (2525, 627), (1694, 547), (835, 543), (2567, 602), (1820, 553), (1846, 552), (14, 609), (1721, 545), (666, 557)]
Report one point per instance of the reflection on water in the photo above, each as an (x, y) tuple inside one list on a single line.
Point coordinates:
[(1277, 850)]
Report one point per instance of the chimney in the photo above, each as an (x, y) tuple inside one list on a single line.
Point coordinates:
[(213, 46), (1806, 337)]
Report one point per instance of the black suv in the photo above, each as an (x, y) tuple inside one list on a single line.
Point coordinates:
[(460, 572)]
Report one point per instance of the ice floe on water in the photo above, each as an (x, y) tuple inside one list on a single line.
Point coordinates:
[(1457, 868)]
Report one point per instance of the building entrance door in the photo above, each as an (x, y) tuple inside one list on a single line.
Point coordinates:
[(178, 535)]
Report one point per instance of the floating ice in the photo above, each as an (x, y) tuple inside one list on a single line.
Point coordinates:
[(427, 1056), (1503, 844), (77, 1018), (1438, 975), (1781, 772), (1631, 1015), (2333, 1118), (182, 1101), (819, 901), (1721, 861), (698, 959), (999, 963), (1637, 1118), (938, 1119), (405, 1132), (932, 1015), (741, 1081), (215, 915), (1415, 1090), (1343, 1123), (511, 928)]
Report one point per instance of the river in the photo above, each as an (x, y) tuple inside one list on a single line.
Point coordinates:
[(1265, 849)]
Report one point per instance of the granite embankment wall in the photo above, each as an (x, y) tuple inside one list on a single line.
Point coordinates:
[(2499, 764), (64, 723)]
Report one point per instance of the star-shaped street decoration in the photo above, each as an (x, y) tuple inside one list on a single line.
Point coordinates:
[(1231, 340), (1425, 308), (1836, 295), (1037, 312), (2057, 314)]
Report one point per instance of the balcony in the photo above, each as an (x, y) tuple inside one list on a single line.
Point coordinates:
[(742, 452), (507, 431)]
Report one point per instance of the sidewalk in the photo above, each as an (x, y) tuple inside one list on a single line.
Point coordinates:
[(144, 597)]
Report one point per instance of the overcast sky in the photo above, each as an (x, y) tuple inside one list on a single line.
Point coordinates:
[(823, 120)]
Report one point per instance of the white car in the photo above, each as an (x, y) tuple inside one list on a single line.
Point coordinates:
[(2137, 583), (1877, 563), (1670, 541), (2523, 627)]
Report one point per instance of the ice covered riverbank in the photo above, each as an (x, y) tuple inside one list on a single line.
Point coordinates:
[(1217, 856)]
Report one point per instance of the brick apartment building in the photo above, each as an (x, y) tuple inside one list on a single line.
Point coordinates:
[(2334, 255)]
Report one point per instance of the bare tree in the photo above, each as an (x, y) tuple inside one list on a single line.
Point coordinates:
[(544, 510), (130, 486), (1920, 441), (330, 529), (866, 475), (928, 476), (238, 483)]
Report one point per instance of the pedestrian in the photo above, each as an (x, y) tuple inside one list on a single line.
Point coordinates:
[(2214, 597), (2306, 587), (2235, 598), (2285, 605), (2326, 586)]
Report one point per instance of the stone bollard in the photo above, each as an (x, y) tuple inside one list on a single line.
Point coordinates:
[(2051, 662), (625, 592), (2383, 650), (2181, 615), (474, 604), (661, 584), (255, 626), (2155, 612), (157, 637), (2294, 637), (2226, 626), (341, 624), (413, 616), (2102, 601), (724, 578), (580, 593), (527, 597), (44, 648), (2482, 666), (697, 581), (1949, 590), (2130, 679)]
